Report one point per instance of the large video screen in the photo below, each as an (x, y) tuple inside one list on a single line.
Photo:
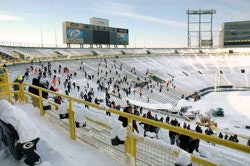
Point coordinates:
[(78, 33)]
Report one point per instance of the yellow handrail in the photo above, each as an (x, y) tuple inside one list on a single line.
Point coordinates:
[(132, 117)]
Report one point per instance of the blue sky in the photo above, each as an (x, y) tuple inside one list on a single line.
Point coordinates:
[(151, 23)]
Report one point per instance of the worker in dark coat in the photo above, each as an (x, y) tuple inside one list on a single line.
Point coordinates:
[(124, 120), (35, 91), (172, 134), (184, 142), (197, 141)]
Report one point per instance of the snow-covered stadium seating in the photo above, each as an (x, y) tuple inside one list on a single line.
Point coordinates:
[(190, 69)]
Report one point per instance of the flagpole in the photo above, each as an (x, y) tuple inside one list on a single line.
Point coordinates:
[(55, 37), (41, 37)]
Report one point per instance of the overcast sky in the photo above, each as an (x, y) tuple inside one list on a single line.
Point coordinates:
[(151, 23)]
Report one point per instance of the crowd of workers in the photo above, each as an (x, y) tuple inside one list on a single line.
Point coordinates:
[(110, 81)]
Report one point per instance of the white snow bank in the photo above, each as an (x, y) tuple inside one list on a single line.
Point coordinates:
[(63, 108), (204, 153), (26, 129), (151, 106), (184, 158)]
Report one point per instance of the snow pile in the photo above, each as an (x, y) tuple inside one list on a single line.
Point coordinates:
[(204, 153), (150, 134), (26, 129), (118, 130), (63, 108), (151, 106), (183, 159), (80, 117)]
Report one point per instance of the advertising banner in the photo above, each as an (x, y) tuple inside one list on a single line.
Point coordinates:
[(122, 38), (74, 25), (74, 35), (99, 21)]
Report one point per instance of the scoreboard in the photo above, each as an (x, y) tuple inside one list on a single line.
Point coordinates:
[(78, 33)]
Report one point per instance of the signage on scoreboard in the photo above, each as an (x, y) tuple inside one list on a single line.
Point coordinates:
[(99, 21), (74, 33), (122, 38)]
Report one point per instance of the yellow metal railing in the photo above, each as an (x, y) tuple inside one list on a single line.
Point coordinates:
[(4, 82), (132, 142)]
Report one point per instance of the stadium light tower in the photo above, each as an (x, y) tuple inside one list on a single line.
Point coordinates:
[(203, 40)]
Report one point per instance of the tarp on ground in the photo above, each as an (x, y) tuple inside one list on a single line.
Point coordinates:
[(151, 106), (218, 112)]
